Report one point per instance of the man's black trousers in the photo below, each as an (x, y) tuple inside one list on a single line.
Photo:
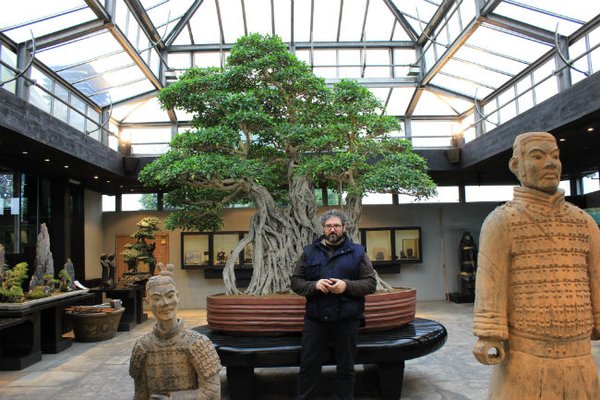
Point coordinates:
[(317, 337)]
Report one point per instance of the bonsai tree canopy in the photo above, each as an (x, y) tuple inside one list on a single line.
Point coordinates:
[(266, 131)]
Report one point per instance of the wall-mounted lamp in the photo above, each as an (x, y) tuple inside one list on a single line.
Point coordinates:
[(457, 141), (125, 143)]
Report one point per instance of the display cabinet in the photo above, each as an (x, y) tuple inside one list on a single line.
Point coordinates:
[(195, 249), (389, 247), (210, 252)]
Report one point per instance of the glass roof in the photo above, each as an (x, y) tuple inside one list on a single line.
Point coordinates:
[(442, 60)]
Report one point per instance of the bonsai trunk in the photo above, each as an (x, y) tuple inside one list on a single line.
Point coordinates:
[(278, 235)]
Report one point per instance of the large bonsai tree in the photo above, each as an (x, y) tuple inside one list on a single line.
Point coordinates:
[(266, 131)]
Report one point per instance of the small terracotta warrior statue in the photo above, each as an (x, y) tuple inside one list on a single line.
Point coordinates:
[(105, 270), (172, 362), (537, 299), (468, 265), (111, 270)]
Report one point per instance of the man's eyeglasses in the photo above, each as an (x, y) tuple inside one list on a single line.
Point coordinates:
[(333, 226)]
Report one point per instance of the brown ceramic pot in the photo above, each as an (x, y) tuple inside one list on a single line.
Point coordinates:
[(95, 327), (280, 313)]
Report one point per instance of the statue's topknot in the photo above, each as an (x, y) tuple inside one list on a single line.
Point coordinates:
[(164, 277)]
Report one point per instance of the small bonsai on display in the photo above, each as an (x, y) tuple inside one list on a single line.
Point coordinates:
[(66, 282), (11, 290), (141, 250)]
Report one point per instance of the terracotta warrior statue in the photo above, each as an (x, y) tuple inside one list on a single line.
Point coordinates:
[(172, 362), (537, 303)]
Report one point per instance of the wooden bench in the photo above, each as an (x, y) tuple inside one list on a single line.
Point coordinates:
[(384, 352)]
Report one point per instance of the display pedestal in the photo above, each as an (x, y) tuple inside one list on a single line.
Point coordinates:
[(460, 298)]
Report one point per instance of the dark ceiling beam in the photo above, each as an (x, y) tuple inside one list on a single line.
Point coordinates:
[(401, 44), (562, 109), (182, 23), (45, 129), (401, 20), (515, 27)]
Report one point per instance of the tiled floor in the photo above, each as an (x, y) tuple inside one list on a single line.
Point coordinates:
[(98, 371)]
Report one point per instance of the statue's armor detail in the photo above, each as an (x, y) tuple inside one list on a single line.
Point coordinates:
[(550, 293), (162, 360)]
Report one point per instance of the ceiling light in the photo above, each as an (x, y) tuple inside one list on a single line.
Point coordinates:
[(95, 176), (24, 152), (66, 166), (590, 129), (47, 159), (562, 140), (107, 181)]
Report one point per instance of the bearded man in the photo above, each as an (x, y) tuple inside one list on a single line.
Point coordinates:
[(335, 275), (537, 301)]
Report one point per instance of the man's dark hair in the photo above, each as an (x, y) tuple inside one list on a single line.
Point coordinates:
[(334, 213)]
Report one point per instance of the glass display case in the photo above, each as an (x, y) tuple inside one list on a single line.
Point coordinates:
[(392, 246), (212, 250), (195, 250), (408, 244)]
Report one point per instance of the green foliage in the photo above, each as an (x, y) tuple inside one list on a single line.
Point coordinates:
[(44, 290), (141, 250), (65, 280), (38, 292), (11, 290), (265, 117)]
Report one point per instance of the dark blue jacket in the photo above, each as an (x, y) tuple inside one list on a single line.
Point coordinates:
[(343, 264)]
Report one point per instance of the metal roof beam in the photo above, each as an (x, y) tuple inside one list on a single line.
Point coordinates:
[(450, 51), (98, 9), (182, 23), (135, 56), (68, 34), (522, 29), (435, 21), (139, 13), (304, 45), (401, 20), (380, 82)]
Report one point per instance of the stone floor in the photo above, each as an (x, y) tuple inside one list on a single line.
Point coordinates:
[(99, 371)]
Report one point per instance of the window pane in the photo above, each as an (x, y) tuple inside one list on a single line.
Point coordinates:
[(108, 203), (379, 245), (195, 249), (488, 193)]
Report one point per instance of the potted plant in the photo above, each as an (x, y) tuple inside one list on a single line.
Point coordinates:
[(266, 131)]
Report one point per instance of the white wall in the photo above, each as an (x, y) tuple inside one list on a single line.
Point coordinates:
[(428, 277), (92, 233), (442, 226)]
